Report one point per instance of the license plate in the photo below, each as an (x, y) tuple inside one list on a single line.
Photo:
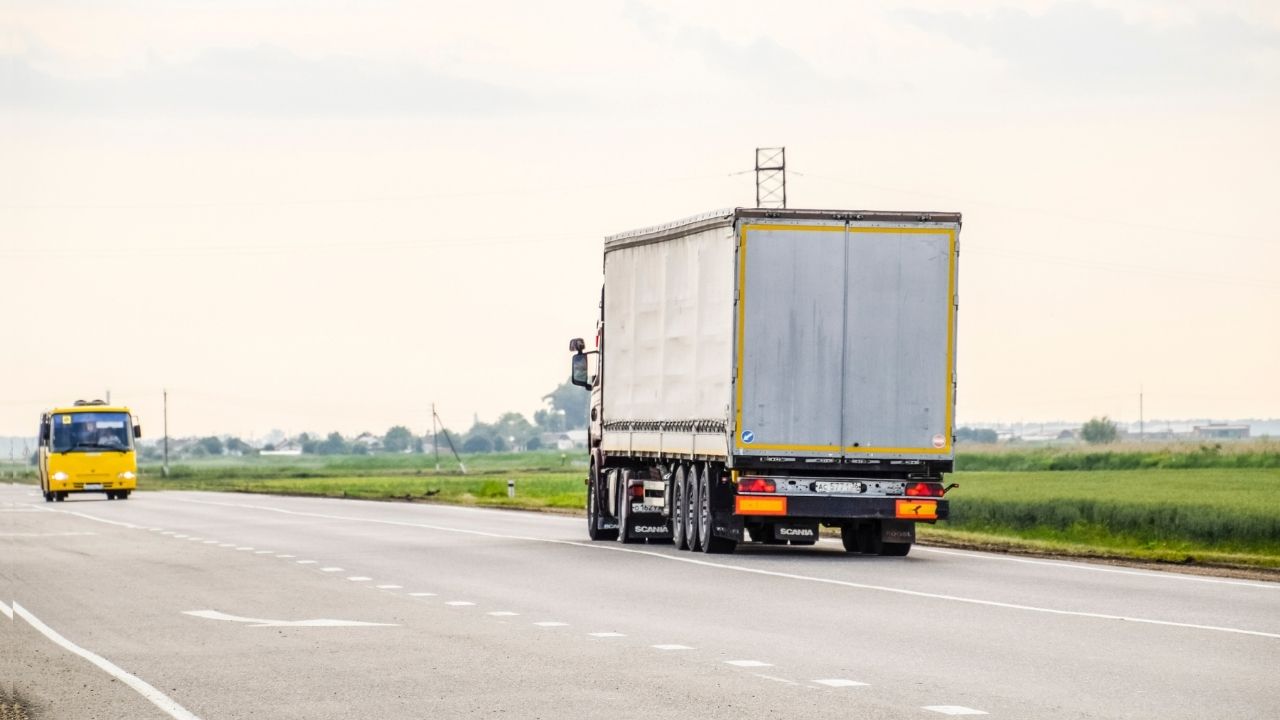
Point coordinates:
[(837, 487), (93, 486)]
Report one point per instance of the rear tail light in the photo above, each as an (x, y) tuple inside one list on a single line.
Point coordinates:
[(637, 491), (925, 490), (756, 485)]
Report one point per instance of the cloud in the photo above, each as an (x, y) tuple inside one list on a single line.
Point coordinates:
[(260, 80), (1077, 45), (760, 61)]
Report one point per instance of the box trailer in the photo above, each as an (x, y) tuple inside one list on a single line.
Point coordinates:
[(761, 373)]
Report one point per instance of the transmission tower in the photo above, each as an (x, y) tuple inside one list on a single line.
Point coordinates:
[(771, 177)]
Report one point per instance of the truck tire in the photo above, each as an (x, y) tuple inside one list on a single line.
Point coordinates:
[(690, 508), (709, 544), (679, 537), (893, 549), (849, 538), (593, 510), (623, 511)]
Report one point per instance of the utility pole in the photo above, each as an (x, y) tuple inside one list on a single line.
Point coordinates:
[(435, 436), (166, 432), (771, 177)]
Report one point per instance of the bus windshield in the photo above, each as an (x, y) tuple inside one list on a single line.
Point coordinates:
[(91, 431)]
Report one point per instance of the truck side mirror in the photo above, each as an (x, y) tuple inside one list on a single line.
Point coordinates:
[(579, 375), (44, 434), (137, 431)]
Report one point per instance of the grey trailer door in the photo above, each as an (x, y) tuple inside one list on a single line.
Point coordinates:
[(844, 340), (790, 328), (899, 341)]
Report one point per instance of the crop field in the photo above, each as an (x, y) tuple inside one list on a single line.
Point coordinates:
[(1220, 515)]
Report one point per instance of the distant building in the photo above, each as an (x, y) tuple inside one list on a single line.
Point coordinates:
[(1221, 432)]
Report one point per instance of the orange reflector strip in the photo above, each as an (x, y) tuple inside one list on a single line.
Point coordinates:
[(746, 505), (917, 509)]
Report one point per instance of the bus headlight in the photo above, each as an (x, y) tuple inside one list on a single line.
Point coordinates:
[(126, 475), (60, 476)]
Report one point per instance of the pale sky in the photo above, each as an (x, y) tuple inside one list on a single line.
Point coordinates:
[(323, 216)]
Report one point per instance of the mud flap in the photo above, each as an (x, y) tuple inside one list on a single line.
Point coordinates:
[(646, 522), (727, 525), (897, 531)]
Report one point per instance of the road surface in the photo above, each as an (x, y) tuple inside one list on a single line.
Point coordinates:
[(208, 605)]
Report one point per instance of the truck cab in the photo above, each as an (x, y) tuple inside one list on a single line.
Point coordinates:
[(88, 447)]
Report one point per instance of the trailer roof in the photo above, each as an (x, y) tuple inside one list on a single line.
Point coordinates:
[(726, 217)]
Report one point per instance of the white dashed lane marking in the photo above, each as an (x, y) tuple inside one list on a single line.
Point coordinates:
[(389, 587), (242, 549), (504, 613), (307, 562), (226, 544), (286, 556), (606, 635), (671, 647), (210, 542), (953, 710), (747, 663), (459, 603), (263, 552), (359, 578), (422, 594), (551, 623), (331, 569), (840, 682)]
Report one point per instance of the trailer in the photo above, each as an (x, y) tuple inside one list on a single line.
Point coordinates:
[(758, 374)]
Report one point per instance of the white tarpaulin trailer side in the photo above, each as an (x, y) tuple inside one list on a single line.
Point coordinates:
[(668, 339), (803, 333)]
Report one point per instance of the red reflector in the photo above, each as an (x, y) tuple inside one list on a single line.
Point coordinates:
[(756, 484), (924, 490), (637, 491)]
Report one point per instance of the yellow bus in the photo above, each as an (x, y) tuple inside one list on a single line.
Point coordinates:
[(88, 447)]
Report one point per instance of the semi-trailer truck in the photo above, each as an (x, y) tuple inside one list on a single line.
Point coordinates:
[(761, 373)]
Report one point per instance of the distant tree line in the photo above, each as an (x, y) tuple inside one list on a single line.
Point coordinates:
[(566, 409)]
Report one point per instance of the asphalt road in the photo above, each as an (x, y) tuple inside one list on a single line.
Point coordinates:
[(206, 605)]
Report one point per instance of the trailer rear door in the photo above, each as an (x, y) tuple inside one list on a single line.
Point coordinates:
[(844, 339)]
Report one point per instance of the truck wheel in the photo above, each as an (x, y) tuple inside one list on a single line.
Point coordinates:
[(892, 549), (849, 538), (690, 508), (678, 535), (709, 542), (593, 511), (623, 511)]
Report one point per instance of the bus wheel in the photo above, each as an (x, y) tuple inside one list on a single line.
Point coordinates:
[(48, 497), (111, 494), (124, 494), (60, 496)]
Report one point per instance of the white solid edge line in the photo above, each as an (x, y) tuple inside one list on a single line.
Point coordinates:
[(1095, 568), (748, 663), (758, 571), (157, 698)]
